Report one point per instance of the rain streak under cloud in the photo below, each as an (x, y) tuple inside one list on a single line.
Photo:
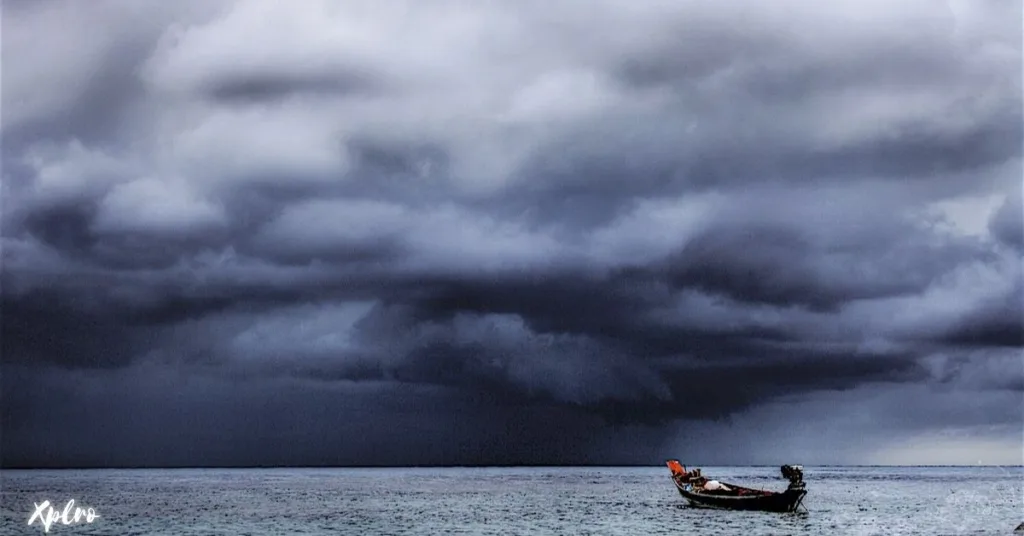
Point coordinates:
[(454, 232)]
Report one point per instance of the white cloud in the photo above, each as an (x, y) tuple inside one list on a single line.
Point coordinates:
[(965, 215), (449, 236), (653, 229), (287, 144), (323, 226), (159, 206), (72, 172)]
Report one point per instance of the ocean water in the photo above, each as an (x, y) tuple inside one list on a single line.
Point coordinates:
[(503, 501)]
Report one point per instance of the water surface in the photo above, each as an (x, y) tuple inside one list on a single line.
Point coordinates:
[(572, 500)]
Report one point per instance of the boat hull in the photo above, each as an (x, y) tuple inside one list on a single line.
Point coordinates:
[(784, 501), (699, 491)]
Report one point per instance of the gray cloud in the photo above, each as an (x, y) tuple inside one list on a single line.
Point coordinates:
[(626, 218), (1007, 224)]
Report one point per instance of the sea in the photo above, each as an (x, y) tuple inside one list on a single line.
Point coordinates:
[(505, 501)]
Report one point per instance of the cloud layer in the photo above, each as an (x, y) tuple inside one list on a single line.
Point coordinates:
[(519, 233)]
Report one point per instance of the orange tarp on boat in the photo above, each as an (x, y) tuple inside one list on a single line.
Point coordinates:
[(676, 467)]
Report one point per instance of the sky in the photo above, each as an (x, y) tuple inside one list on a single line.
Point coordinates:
[(514, 233)]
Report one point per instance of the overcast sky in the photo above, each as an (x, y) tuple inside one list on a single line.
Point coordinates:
[(498, 232)]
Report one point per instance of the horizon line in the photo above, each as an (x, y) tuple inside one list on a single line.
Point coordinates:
[(459, 466)]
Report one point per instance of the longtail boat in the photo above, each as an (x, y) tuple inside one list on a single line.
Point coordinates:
[(701, 492)]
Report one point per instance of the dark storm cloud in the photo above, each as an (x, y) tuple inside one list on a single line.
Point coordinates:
[(281, 422), (618, 216), (999, 323), (40, 328), (780, 266), (676, 153)]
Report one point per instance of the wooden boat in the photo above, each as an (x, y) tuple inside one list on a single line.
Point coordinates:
[(701, 492)]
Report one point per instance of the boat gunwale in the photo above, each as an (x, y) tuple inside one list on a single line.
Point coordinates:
[(755, 493)]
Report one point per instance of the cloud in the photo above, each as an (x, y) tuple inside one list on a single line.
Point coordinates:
[(1006, 224), (629, 216), (152, 206)]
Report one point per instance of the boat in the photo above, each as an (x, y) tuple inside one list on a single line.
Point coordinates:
[(702, 492)]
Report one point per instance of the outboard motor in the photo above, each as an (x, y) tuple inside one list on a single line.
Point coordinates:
[(795, 474)]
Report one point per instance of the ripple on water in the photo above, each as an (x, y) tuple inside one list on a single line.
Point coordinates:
[(511, 501)]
